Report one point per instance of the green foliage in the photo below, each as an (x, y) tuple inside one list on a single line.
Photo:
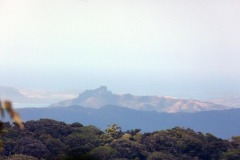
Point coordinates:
[(185, 143), (235, 141), (104, 153), (76, 125), (161, 156), (128, 148), (114, 131), (234, 152), (20, 157), (53, 140), (47, 126), (231, 154)]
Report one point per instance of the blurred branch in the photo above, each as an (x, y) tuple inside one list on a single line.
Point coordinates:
[(7, 105)]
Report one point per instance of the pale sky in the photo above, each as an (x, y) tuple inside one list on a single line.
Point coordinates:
[(150, 47)]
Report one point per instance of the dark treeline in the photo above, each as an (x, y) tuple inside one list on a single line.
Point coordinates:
[(53, 140)]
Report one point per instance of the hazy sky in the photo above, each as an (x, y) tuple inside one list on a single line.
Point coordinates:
[(138, 46)]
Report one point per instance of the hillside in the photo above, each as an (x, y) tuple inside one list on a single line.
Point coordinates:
[(100, 97), (221, 123), (51, 140)]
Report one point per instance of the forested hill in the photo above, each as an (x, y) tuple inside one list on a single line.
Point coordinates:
[(53, 140)]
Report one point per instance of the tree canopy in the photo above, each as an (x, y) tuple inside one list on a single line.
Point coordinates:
[(54, 140)]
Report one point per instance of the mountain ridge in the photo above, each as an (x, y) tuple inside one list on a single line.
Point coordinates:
[(102, 96), (222, 123)]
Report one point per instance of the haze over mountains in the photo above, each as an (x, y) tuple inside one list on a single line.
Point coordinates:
[(8, 93), (101, 96), (101, 107), (97, 98), (19, 100), (33, 98), (233, 101)]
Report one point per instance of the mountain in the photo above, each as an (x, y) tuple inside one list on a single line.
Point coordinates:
[(20, 100), (49, 95), (101, 97), (33, 98), (8, 93), (232, 101), (222, 123)]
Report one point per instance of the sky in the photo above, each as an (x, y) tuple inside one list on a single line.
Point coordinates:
[(178, 48)]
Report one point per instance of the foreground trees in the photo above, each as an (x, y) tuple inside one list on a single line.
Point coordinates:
[(53, 140)]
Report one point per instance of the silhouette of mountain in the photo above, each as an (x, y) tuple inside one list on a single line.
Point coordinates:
[(222, 123)]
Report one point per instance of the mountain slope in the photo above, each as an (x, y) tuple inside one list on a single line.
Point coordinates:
[(101, 97), (221, 123)]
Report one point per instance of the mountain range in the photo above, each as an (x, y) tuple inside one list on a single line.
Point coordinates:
[(100, 107), (101, 96), (97, 98), (222, 123)]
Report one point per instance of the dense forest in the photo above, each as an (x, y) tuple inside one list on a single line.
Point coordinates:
[(54, 140)]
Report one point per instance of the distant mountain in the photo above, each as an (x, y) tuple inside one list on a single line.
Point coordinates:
[(232, 101), (8, 93), (224, 123), (101, 97), (33, 98), (49, 95)]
